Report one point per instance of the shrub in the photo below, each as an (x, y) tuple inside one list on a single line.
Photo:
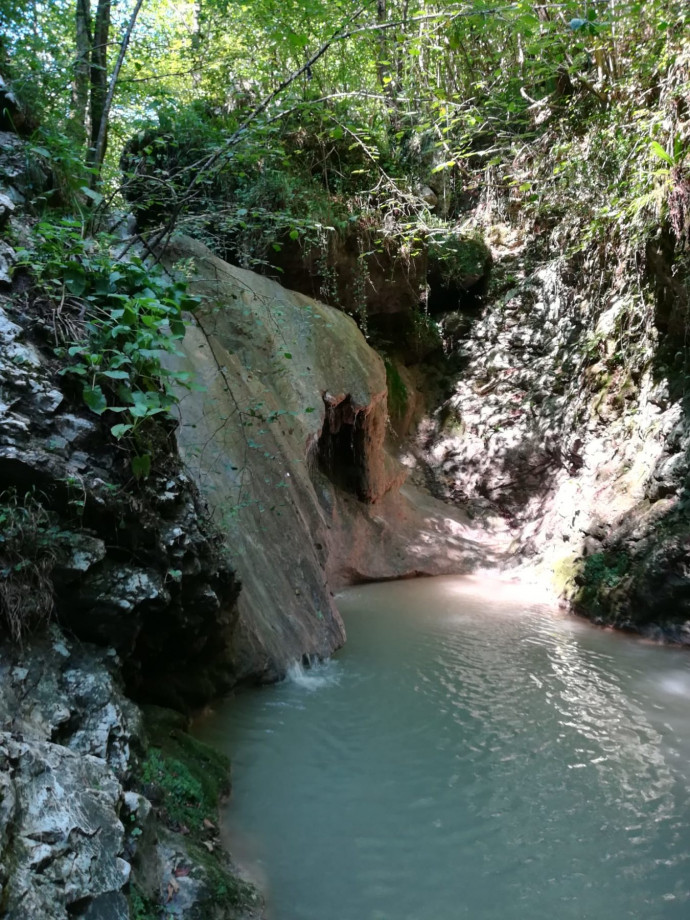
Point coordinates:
[(29, 548), (113, 321)]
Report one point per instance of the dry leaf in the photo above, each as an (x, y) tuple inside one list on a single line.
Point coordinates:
[(173, 888)]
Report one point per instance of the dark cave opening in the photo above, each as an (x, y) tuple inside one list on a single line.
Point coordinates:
[(341, 450)]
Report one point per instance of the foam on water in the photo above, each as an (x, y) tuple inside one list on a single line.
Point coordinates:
[(315, 676)]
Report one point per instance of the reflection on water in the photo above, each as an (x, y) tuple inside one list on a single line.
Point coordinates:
[(471, 753)]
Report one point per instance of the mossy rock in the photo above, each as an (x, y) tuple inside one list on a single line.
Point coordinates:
[(397, 391), (222, 893), (564, 573), (187, 776), (598, 575), (187, 873), (458, 261)]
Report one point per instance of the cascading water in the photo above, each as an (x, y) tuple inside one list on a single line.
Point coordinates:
[(470, 753)]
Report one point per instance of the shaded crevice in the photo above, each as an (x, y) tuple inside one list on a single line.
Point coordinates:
[(445, 297), (342, 447)]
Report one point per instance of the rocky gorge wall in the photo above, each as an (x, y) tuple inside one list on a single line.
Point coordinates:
[(219, 567), (103, 582), (562, 444), (568, 418)]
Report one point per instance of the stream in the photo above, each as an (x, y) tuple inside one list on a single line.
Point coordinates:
[(471, 752)]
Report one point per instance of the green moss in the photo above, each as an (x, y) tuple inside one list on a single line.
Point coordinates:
[(180, 792), (461, 260), (599, 573), (185, 780), (397, 391), (605, 568), (188, 776)]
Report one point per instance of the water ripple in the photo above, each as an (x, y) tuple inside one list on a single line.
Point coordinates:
[(470, 754)]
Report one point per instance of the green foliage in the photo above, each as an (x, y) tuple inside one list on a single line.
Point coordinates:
[(259, 196), (186, 779), (52, 154), (397, 391), (425, 336), (460, 259), (141, 907), (30, 544), (123, 317), (184, 799)]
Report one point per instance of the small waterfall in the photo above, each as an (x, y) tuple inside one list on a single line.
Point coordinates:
[(313, 675)]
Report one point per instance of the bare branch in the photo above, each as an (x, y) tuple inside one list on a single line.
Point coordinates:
[(99, 148)]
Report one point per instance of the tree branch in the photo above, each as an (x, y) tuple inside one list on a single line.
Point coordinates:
[(338, 35), (99, 148)]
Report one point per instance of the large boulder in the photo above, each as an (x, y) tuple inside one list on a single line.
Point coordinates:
[(286, 438)]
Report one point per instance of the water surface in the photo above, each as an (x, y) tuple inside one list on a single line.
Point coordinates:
[(470, 753)]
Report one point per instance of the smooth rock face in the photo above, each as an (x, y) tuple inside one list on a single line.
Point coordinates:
[(270, 362), (287, 444)]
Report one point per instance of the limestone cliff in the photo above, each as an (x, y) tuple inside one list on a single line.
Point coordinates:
[(568, 417)]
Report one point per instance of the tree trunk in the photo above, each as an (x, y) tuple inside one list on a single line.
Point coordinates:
[(80, 86), (101, 132), (380, 66), (99, 71)]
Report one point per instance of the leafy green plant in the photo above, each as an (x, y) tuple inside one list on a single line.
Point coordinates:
[(142, 908), (114, 321)]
